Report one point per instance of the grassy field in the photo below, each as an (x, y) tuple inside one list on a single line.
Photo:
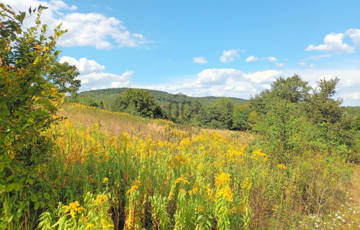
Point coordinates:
[(137, 173)]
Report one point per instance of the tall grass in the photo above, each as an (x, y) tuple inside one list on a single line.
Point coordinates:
[(171, 177)]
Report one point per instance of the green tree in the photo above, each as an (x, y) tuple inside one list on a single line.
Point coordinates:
[(241, 117), (138, 102), (292, 90), (64, 75), (195, 114), (221, 113), (324, 124), (28, 103)]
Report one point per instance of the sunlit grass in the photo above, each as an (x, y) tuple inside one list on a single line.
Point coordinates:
[(162, 176)]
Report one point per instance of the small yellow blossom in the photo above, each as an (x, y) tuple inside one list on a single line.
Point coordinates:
[(100, 199), (134, 187), (73, 208), (281, 166), (89, 226), (222, 179), (105, 180), (182, 179), (225, 193)]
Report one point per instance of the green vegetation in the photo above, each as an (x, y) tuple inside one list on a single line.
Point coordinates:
[(293, 117), (28, 102), (200, 111), (137, 102), (115, 170)]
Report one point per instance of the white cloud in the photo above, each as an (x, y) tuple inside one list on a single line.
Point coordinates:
[(251, 59), (216, 76), (85, 29), (332, 43), (200, 60), (221, 82), (93, 77), (353, 96), (272, 59), (229, 55), (84, 65), (263, 76), (279, 64), (354, 34)]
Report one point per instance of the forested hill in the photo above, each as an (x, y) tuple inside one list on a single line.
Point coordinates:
[(108, 97)]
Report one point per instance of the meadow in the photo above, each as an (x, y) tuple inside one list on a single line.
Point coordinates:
[(69, 166), (171, 177)]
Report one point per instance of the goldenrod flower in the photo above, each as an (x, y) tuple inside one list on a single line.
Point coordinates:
[(134, 187), (281, 166), (89, 226), (73, 208), (182, 179), (225, 193), (222, 179)]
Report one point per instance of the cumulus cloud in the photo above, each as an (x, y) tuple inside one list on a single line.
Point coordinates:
[(200, 60), (92, 74), (354, 34), (272, 59), (229, 55), (263, 76), (221, 82), (252, 59), (332, 43), (84, 29), (84, 65)]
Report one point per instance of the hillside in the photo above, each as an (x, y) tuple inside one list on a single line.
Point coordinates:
[(117, 123), (163, 98)]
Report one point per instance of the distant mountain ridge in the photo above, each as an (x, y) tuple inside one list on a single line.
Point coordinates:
[(163, 98)]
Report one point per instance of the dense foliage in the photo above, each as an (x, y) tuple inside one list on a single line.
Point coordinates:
[(29, 96), (202, 111), (293, 117), (138, 102)]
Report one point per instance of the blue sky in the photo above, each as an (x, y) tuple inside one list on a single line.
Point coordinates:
[(200, 48)]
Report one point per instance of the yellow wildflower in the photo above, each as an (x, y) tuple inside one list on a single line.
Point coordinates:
[(89, 226), (134, 187), (182, 179), (225, 193), (281, 166), (100, 199), (222, 179), (105, 180), (73, 208)]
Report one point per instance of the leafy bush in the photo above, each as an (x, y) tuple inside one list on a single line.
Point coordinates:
[(138, 102), (28, 103)]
